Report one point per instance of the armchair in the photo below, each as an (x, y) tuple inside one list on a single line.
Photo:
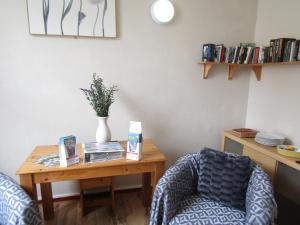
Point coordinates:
[(16, 207), (188, 195)]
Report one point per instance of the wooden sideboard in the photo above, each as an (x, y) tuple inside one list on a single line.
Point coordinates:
[(284, 171), (266, 157)]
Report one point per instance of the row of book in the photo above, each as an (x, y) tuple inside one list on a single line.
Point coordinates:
[(284, 50), (280, 50)]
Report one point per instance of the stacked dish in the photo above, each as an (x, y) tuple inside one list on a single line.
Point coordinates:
[(269, 139)]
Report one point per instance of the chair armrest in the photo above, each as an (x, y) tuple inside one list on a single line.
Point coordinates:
[(261, 208), (16, 207), (179, 181)]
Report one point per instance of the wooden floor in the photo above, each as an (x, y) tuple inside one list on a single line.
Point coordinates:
[(129, 211)]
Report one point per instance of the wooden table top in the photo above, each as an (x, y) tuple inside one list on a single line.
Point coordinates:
[(150, 154), (269, 151)]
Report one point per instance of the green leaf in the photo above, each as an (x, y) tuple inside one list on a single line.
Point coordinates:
[(99, 96)]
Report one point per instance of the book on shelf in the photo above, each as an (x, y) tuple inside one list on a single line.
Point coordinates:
[(98, 152), (67, 151), (241, 55), (287, 51), (236, 54), (247, 44), (278, 51), (220, 52), (273, 49), (265, 54), (286, 48), (230, 55), (268, 54), (223, 53), (266, 58), (244, 55), (208, 53), (261, 53), (292, 51), (249, 56), (297, 51), (255, 55)]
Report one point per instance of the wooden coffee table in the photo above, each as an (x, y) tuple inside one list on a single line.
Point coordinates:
[(151, 167)]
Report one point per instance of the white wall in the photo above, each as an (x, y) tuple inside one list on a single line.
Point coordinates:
[(273, 103), (155, 67)]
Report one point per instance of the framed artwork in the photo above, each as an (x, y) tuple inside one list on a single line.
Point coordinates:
[(88, 18)]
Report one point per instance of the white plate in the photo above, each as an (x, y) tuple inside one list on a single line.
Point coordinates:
[(270, 136)]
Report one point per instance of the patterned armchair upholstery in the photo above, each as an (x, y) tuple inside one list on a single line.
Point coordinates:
[(16, 207), (177, 201)]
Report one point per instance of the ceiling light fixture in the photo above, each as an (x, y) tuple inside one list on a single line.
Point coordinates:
[(162, 11)]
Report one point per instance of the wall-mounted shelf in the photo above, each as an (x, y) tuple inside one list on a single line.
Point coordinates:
[(232, 67)]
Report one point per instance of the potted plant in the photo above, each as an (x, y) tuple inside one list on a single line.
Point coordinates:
[(101, 98)]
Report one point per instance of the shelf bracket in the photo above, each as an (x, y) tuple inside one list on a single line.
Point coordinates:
[(256, 68), (231, 71), (257, 71), (206, 69)]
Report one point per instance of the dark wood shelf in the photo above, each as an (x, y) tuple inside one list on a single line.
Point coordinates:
[(232, 67)]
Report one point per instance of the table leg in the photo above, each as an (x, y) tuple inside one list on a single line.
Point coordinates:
[(157, 174), (113, 204), (47, 199), (223, 143), (26, 182), (147, 189)]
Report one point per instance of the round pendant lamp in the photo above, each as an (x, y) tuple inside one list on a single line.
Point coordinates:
[(162, 11)]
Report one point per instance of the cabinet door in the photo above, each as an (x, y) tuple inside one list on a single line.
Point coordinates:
[(266, 162), (232, 146)]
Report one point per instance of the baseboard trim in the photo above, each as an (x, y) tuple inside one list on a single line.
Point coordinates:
[(76, 196)]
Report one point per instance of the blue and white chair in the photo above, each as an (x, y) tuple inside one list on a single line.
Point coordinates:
[(16, 207), (213, 188)]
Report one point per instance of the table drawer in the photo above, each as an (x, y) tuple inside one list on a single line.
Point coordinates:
[(96, 183)]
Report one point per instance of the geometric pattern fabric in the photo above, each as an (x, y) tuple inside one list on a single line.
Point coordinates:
[(198, 211), (16, 207)]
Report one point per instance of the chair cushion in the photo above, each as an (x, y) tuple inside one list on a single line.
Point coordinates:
[(223, 177), (196, 210)]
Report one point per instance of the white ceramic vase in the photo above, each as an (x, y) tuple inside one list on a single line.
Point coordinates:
[(103, 132)]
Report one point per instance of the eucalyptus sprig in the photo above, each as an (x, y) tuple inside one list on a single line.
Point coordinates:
[(99, 96)]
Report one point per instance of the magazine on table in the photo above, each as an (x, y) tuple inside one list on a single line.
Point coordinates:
[(135, 141), (67, 151)]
